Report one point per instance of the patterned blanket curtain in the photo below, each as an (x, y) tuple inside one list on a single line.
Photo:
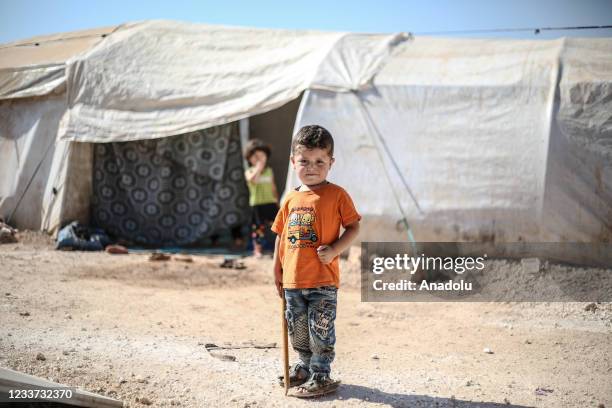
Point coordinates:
[(172, 191)]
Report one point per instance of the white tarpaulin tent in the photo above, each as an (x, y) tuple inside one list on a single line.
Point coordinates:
[(479, 140), (467, 139), (158, 79), (32, 103), (152, 80)]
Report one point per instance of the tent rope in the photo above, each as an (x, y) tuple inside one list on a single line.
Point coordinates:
[(404, 219)]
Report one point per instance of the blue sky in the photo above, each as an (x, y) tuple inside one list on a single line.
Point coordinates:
[(21, 19)]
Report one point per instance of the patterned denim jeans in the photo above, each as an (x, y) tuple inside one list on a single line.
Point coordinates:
[(310, 318)]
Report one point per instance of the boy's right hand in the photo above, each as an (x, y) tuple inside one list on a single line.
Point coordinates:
[(278, 268), (279, 287), (278, 281)]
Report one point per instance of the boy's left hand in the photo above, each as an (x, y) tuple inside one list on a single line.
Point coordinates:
[(326, 254)]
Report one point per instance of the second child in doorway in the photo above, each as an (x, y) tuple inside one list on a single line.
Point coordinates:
[(263, 196)]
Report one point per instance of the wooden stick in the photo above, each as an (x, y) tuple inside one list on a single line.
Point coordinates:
[(285, 345)]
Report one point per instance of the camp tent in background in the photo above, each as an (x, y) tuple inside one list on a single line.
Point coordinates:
[(146, 123), (477, 140)]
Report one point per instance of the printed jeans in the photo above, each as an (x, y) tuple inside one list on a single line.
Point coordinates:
[(310, 318)]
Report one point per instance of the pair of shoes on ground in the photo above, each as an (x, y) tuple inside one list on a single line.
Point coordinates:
[(309, 384)]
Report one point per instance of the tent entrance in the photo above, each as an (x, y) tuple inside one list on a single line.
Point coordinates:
[(174, 191), (276, 129)]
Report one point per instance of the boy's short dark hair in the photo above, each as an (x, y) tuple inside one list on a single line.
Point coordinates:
[(255, 145), (313, 137)]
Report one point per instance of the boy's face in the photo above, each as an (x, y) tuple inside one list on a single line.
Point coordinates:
[(312, 165)]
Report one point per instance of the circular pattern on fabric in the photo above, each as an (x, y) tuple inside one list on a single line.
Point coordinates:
[(119, 162), (143, 170), (166, 197), (167, 154), (212, 133), (98, 175), (231, 218), (107, 192), (153, 184), (179, 182), (181, 147), (181, 207), (192, 194), (221, 143), (182, 232), (236, 174), (127, 180), (131, 155), (118, 208), (195, 219), (225, 192), (214, 210), (216, 171), (205, 203), (100, 150), (152, 209), (191, 163), (201, 180), (165, 172), (195, 138), (170, 191), (103, 216), (111, 167), (139, 195), (206, 155), (157, 160), (233, 147), (203, 228), (167, 221), (130, 224)]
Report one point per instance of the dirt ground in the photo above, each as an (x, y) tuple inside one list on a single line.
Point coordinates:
[(133, 329)]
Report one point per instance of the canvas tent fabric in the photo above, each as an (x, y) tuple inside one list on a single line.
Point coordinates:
[(179, 78), (28, 133), (33, 163), (36, 66), (578, 193), (160, 78), (493, 141)]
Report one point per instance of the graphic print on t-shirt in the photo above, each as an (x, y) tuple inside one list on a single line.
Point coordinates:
[(300, 231)]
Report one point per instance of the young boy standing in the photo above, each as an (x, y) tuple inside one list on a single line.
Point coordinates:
[(306, 253)]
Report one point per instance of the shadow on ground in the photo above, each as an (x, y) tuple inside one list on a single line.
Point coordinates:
[(394, 400)]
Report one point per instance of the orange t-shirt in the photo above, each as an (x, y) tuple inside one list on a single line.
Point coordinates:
[(306, 220)]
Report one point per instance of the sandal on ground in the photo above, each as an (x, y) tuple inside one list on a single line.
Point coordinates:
[(298, 375), (318, 384)]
